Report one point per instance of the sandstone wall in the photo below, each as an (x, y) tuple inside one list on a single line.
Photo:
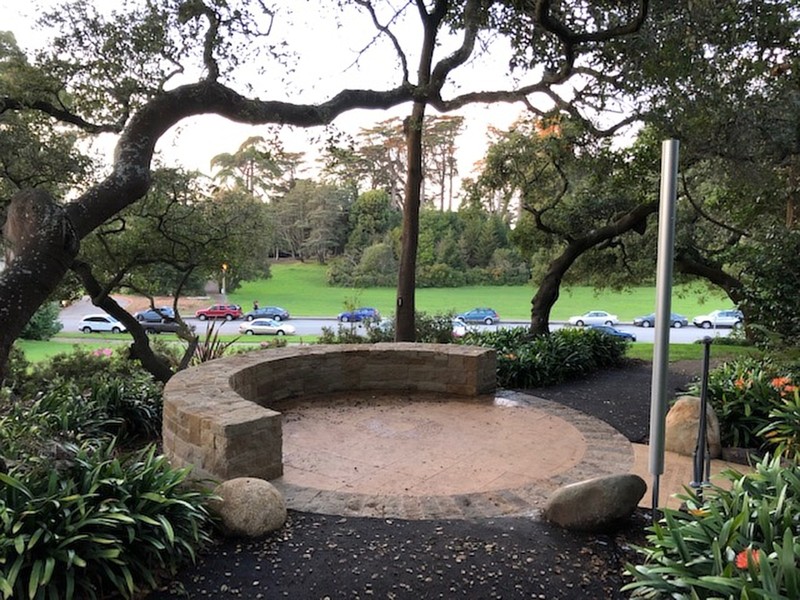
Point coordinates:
[(217, 416)]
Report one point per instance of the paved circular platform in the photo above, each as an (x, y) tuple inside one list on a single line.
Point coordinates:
[(428, 457)]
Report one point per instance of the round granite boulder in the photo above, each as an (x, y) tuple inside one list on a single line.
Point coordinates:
[(595, 505), (249, 507)]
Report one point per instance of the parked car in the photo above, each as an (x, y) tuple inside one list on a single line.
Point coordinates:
[(487, 316), (608, 330), (155, 314), (229, 312), (675, 320), (719, 318), (359, 314), (459, 328), (594, 317), (268, 312), (266, 327), (100, 322), (162, 326)]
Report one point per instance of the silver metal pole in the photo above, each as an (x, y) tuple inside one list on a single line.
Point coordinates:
[(666, 243)]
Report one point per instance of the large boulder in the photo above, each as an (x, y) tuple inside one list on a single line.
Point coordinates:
[(249, 507), (595, 505), (683, 426)]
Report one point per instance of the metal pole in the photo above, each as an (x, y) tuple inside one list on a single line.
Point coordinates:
[(700, 476), (666, 243)]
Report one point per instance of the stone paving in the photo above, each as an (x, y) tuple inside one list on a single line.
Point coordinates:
[(439, 458)]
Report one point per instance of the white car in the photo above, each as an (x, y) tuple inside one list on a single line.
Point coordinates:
[(266, 327), (719, 318), (594, 317), (459, 328), (96, 323)]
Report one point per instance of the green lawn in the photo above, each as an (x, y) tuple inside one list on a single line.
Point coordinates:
[(300, 288)]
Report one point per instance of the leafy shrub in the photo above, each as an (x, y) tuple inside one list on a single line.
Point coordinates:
[(524, 361), (99, 524), (44, 323), (733, 543), (783, 429), (433, 329), (80, 367), (110, 406), (742, 393)]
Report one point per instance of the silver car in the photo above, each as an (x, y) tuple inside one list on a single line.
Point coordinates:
[(719, 318), (266, 327), (594, 317)]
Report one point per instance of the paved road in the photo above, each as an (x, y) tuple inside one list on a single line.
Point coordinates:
[(313, 326)]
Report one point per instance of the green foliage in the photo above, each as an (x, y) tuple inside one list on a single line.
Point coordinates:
[(371, 217), (783, 430), (743, 393), (524, 361), (81, 367), (98, 523), (79, 518), (740, 542), (211, 346), (110, 406), (433, 329), (44, 323), (772, 276)]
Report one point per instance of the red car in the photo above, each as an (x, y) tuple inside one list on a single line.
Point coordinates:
[(229, 312)]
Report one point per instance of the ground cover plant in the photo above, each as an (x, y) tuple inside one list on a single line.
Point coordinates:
[(524, 361), (88, 507), (740, 542)]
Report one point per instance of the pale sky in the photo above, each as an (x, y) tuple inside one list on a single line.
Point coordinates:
[(325, 66)]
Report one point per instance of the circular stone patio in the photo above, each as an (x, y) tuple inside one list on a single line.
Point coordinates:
[(428, 457)]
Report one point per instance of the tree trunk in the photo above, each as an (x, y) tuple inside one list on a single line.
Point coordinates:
[(140, 349), (692, 264), (548, 291), (41, 245), (405, 330)]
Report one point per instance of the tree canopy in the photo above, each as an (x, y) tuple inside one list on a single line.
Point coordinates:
[(139, 70)]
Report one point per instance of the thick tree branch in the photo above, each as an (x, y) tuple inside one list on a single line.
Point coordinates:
[(141, 345)]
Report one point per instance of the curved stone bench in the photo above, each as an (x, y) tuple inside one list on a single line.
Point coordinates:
[(217, 417)]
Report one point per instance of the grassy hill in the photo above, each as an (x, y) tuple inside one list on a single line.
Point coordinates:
[(301, 289)]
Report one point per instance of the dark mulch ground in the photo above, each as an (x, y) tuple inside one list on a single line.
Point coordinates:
[(316, 556)]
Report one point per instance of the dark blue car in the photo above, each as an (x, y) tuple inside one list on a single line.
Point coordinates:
[(153, 315), (276, 313), (359, 314), (608, 330)]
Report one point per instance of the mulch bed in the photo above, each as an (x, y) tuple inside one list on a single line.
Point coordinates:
[(319, 556)]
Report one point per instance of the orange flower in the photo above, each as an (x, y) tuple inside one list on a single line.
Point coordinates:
[(747, 556), (740, 383), (699, 512), (790, 389), (781, 382)]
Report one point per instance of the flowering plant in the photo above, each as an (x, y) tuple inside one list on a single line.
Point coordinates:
[(739, 541), (744, 393)]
